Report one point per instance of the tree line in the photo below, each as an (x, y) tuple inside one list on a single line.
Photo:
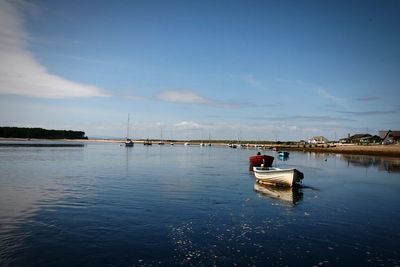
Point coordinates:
[(40, 133)]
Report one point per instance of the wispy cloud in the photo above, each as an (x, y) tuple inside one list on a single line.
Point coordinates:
[(251, 80), (368, 113), (368, 98), (191, 97), (302, 118), (134, 97), (187, 97), (187, 125), (327, 95), (21, 73)]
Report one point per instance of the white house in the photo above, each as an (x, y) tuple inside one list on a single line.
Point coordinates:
[(318, 140)]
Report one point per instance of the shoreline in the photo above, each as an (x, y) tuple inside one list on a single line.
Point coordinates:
[(392, 150)]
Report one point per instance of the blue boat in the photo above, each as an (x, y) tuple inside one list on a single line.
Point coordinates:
[(283, 154)]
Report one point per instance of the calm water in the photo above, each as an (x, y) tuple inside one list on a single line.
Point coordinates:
[(106, 205)]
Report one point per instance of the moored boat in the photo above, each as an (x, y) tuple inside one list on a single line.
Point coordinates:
[(258, 160), (128, 143), (283, 154), (147, 142), (277, 176)]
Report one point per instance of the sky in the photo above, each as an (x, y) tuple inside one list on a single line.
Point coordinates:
[(255, 70)]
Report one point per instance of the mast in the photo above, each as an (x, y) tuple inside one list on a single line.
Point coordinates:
[(127, 130)]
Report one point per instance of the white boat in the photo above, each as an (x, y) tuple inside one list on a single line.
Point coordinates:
[(161, 142), (277, 176), (187, 144), (128, 142)]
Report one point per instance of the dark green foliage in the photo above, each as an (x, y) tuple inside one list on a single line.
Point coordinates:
[(39, 133)]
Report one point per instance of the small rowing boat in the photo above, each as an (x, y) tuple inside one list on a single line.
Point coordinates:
[(277, 176)]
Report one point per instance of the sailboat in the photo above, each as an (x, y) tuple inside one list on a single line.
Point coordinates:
[(201, 141), (128, 142), (161, 140)]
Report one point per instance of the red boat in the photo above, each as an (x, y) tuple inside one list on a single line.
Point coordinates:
[(257, 160)]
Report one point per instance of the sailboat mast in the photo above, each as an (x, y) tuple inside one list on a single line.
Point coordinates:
[(127, 130)]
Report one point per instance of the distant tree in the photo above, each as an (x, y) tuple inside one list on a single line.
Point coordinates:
[(40, 133)]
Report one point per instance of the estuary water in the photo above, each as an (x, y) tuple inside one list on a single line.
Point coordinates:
[(107, 205)]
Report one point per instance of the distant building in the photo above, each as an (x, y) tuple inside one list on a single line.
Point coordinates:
[(373, 139), (361, 138), (318, 140), (389, 136)]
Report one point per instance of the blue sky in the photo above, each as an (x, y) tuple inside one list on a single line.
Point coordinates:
[(284, 70)]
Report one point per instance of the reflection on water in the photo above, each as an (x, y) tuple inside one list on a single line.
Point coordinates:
[(385, 164), (382, 164), (105, 205), (287, 195)]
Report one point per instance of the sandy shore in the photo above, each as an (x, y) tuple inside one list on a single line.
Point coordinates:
[(373, 150)]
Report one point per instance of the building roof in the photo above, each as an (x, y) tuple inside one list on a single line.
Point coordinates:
[(359, 136)]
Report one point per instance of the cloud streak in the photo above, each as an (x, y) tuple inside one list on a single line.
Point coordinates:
[(310, 118), (251, 80), (368, 98), (325, 94), (191, 97), (187, 125), (21, 74), (369, 113), (186, 97)]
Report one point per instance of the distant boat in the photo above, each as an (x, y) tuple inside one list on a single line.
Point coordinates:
[(258, 160), (187, 144), (147, 142), (161, 142), (128, 142), (277, 176), (283, 154)]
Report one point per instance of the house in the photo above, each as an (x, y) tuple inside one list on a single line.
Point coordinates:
[(361, 139), (389, 137), (370, 139), (356, 138), (318, 140)]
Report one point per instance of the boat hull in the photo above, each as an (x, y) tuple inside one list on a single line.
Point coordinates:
[(277, 176), (258, 160), (129, 143)]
